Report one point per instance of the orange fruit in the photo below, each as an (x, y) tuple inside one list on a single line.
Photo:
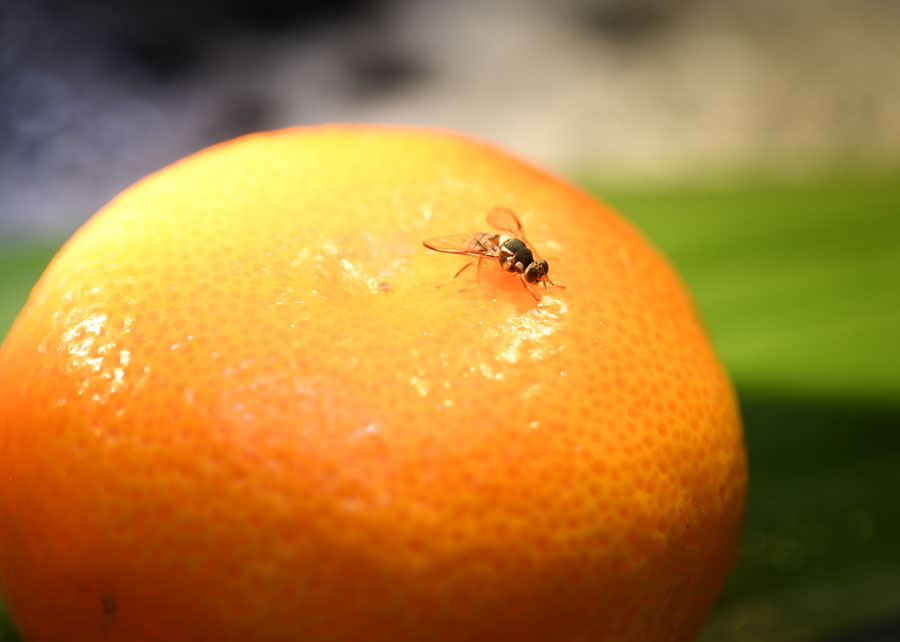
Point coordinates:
[(235, 407)]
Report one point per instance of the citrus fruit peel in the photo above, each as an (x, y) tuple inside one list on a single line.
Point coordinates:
[(236, 408)]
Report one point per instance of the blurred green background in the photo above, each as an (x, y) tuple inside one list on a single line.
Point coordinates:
[(798, 280)]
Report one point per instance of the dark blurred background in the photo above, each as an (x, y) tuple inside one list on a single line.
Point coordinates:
[(757, 142)]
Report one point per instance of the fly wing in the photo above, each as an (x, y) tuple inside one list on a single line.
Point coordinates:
[(456, 244), (504, 220)]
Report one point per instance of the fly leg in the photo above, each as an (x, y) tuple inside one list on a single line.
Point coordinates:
[(556, 285), (460, 271), (477, 275), (530, 291)]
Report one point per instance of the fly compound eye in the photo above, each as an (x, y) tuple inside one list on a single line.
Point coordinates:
[(536, 271)]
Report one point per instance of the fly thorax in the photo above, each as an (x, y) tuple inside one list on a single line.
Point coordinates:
[(515, 255)]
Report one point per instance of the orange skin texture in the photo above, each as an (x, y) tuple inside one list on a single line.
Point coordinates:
[(235, 407)]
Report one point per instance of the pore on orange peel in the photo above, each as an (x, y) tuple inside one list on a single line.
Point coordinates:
[(236, 407)]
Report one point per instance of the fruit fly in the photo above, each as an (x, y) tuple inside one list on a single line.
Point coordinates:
[(510, 248)]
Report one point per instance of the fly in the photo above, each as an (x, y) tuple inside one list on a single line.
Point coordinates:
[(510, 249)]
